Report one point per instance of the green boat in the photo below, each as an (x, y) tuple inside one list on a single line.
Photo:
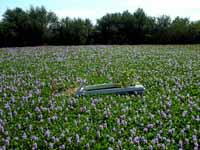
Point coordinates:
[(109, 88)]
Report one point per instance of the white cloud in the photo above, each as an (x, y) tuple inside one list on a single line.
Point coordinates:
[(73, 13), (81, 13), (97, 8), (163, 3), (173, 8)]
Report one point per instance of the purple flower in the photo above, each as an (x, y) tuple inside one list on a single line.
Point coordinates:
[(55, 140), (47, 133), (16, 138), (119, 142), (87, 145), (14, 113), (145, 129), (169, 103), (196, 144), (196, 148), (155, 140), (186, 141), (35, 146), (150, 126), (187, 126), (184, 113), (37, 91), (55, 117), (110, 148), (3, 147), (133, 131), (194, 138), (162, 146), (19, 126), (6, 142), (198, 118), (82, 109), (34, 138), (1, 129), (171, 131), (137, 140), (24, 136), (37, 109), (77, 139), (87, 129), (62, 147), (30, 95), (30, 127), (6, 106), (51, 145), (151, 116), (69, 140), (180, 144), (95, 101), (5, 95), (163, 114), (112, 139), (143, 140), (12, 100), (150, 147)]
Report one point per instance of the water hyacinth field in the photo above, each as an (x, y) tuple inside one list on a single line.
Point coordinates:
[(37, 111)]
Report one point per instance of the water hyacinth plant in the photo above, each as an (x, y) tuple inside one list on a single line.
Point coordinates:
[(38, 112)]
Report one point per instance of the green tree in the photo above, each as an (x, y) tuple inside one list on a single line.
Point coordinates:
[(75, 31), (180, 30), (38, 26), (15, 24), (109, 26), (161, 33), (40, 22), (140, 20), (195, 27)]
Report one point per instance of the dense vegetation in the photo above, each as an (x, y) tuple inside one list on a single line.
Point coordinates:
[(37, 112), (37, 26)]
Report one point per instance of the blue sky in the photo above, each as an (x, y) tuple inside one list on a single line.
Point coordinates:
[(94, 9)]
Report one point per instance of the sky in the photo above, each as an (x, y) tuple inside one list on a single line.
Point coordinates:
[(95, 9)]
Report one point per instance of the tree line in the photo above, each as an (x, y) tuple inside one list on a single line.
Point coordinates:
[(37, 26)]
